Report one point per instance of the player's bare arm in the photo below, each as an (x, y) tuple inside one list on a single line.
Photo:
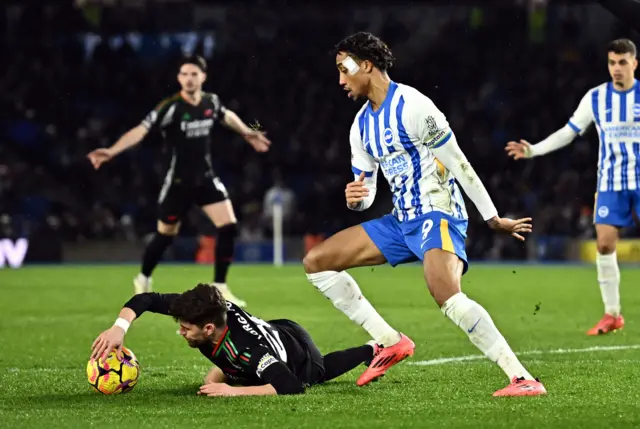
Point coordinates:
[(113, 337), (215, 375), (257, 139), (128, 140), (223, 389)]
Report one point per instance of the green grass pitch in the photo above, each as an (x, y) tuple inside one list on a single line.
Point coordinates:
[(49, 317)]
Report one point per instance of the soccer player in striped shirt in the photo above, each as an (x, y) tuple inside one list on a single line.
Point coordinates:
[(614, 106), (401, 131)]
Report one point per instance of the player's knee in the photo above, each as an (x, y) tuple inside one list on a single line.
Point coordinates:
[(606, 247), (228, 231), (311, 262), (315, 260), (606, 244), (168, 229), (442, 285), (607, 239)]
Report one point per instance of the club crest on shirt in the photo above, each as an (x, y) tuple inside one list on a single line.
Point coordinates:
[(388, 136), (636, 110)]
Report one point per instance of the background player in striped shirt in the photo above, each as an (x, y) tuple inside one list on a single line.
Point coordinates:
[(401, 131), (185, 121), (615, 108)]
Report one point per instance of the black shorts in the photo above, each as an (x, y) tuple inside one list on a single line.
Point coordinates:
[(176, 198), (305, 359)]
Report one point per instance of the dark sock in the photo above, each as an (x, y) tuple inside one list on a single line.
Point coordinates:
[(225, 244), (153, 252), (338, 363)]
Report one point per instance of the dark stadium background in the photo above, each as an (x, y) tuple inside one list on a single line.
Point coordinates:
[(76, 75)]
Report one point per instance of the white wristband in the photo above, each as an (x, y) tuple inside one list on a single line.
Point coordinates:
[(122, 323)]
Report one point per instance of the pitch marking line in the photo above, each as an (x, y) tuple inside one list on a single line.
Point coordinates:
[(430, 362), (458, 359)]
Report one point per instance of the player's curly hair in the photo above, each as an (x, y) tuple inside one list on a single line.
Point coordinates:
[(201, 305), (366, 46)]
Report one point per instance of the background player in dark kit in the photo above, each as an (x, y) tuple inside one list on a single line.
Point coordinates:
[(185, 120), (260, 358)]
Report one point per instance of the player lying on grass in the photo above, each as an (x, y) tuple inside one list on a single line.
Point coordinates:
[(251, 356)]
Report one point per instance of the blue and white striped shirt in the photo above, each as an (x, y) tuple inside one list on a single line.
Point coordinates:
[(616, 115), (399, 138)]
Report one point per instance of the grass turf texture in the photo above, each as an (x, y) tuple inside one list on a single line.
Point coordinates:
[(49, 317)]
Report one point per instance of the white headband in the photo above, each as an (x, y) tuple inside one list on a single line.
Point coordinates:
[(351, 66)]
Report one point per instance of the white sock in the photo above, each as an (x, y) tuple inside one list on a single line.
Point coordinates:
[(343, 291), (477, 324), (222, 287), (609, 279), (142, 278)]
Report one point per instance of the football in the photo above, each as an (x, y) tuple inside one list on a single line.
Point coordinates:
[(111, 376)]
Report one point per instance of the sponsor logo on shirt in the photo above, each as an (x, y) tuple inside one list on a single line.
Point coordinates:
[(622, 131), (394, 166), (199, 128)]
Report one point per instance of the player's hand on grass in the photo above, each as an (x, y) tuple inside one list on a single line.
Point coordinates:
[(110, 339), (217, 389), (258, 140), (510, 226), (519, 150), (99, 157), (355, 191)]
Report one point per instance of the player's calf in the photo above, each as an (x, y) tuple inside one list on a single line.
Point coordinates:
[(324, 265), (608, 276), (225, 246), (443, 271), (150, 259)]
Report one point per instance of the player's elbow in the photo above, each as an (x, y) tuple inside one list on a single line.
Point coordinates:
[(228, 117), (291, 389), (135, 135)]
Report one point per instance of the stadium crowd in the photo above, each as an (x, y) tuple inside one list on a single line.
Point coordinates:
[(66, 95)]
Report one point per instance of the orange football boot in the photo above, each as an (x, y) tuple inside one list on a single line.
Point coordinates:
[(607, 324), (522, 387), (385, 358)]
